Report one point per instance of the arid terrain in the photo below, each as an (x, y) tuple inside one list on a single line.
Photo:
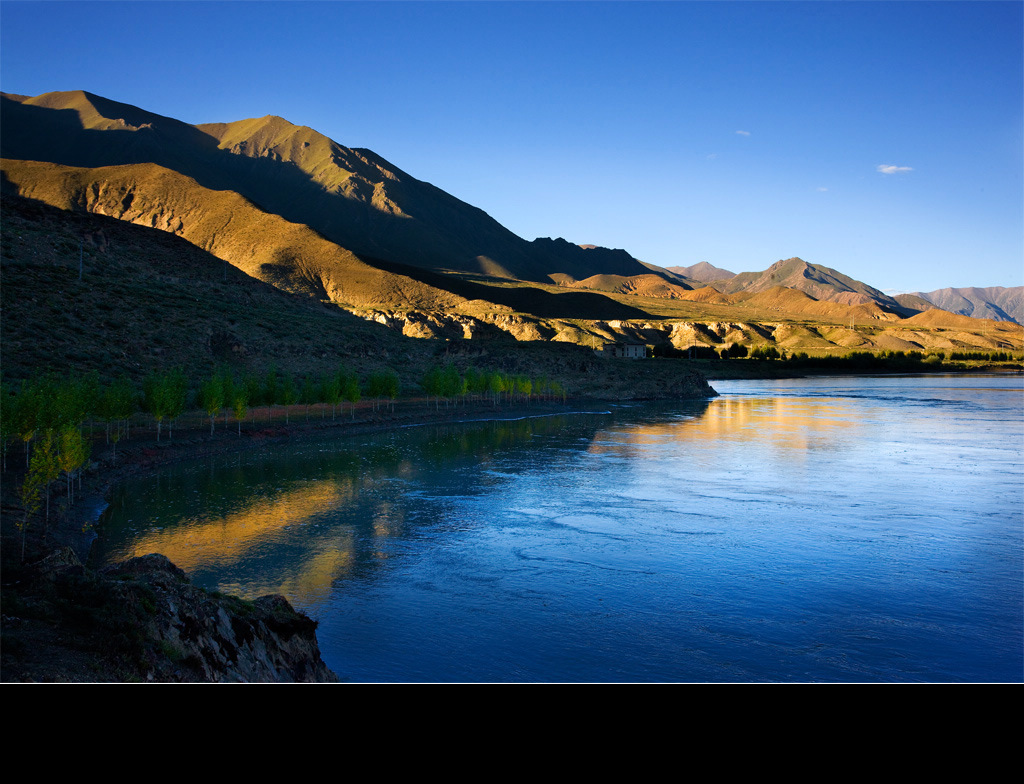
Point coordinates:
[(262, 257), (288, 206)]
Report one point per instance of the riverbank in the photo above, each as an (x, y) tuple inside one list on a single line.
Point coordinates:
[(57, 614), (63, 622), (734, 370)]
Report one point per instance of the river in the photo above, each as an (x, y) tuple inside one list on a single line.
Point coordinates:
[(841, 529)]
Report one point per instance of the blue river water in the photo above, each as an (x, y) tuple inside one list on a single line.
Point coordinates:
[(842, 529)]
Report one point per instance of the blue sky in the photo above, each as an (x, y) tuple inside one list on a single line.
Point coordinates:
[(737, 133)]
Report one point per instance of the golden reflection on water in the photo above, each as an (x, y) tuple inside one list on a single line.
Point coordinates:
[(389, 519), (223, 540), (794, 426), (313, 581)]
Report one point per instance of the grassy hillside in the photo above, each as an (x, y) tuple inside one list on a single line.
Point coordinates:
[(148, 300)]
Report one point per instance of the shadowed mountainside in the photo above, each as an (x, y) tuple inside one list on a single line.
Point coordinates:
[(298, 260), (352, 197), (148, 300), (292, 208)]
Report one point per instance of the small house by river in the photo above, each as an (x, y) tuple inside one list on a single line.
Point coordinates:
[(623, 350)]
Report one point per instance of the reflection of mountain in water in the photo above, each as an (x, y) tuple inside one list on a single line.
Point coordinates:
[(296, 519), (806, 425)]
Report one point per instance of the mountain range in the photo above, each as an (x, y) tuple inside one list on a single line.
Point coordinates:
[(292, 208), (998, 303)]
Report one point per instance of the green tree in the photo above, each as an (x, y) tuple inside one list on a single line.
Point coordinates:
[(431, 383), (382, 385), (476, 383), (45, 464), (331, 391), (211, 397), (392, 386), (524, 387), (253, 390), (238, 405), (26, 414), (289, 394), (271, 387), (351, 391), (118, 402), (176, 394), (451, 382), (496, 384), (72, 455), (227, 381), (157, 399)]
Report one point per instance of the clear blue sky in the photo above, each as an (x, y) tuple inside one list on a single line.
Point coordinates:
[(738, 133)]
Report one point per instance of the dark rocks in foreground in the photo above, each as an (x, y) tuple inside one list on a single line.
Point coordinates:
[(142, 620)]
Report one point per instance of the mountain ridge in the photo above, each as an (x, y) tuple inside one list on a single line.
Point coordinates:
[(371, 207), (290, 206), (1001, 303)]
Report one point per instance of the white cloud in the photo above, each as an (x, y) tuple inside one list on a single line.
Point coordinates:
[(888, 168), (821, 190), (743, 133)]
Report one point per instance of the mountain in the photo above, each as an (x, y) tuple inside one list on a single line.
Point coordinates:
[(90, 292), (912, 303), (86, 292), (995, 302), (822, 283), (352, 197), (704, 272), (288, 206), (639, 285), (227, 225)]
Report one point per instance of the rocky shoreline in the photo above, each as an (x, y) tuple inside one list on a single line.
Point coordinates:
[(142, 620)]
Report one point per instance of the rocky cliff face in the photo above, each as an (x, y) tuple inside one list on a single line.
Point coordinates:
[(142, 620), (590, 333), (217, 638)]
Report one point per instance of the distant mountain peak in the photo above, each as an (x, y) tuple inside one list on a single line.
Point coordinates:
[(819, 282), (704, 272), (998, 303)]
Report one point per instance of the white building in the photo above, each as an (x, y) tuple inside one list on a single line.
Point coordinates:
[(624, 350)]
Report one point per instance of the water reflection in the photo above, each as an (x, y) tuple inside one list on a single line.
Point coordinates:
[(794, 428), (298, 519), (818, 530)]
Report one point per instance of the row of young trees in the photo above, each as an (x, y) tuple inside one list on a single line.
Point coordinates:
[(738, 351), (50, 404), (47, 416), (984, 356), (903, 360), (447, 383), (167, 395)]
